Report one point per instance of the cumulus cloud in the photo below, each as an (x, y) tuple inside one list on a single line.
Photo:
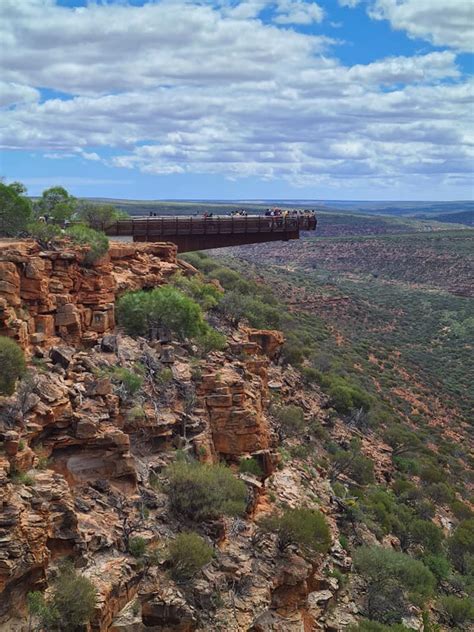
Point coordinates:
[(199, 87), (441, 22)]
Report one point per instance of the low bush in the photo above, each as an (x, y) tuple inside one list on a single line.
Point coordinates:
[(188, 553), (344, 395), (12, 365), (236, 307), (211, 340), (306, 528), (207, 295), (438, 565), (142, 313), (97, 242), (374, 626), (457, 610), (198, 491), (291, 419), (137, 546), (250, 465), (71, 604), (461, 545), (130, 381), (43, 233), (427, 534)]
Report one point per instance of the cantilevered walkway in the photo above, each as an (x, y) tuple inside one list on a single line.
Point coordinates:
[(203, 233)]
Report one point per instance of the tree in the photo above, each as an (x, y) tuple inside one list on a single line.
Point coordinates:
[(15, 209), (56, 203), (394, 580), (12, 365), (98, 215)]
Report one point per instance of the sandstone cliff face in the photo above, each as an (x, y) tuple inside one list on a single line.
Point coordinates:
[(80, 457), (51, 295)]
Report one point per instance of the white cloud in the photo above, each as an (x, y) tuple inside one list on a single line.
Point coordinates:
[(13, 93), (175, 87), (442, 22), (298, 12)]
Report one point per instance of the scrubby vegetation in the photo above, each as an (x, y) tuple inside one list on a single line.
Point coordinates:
[(142, 313), (96, 241), (71, 604), (203, 492), (305, 528), (394, 581), (188, 553), (12, 365)]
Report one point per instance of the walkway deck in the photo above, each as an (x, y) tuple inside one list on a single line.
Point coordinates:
[(199, 233)]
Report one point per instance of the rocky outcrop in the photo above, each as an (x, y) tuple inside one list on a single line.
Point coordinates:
[(47, 296)]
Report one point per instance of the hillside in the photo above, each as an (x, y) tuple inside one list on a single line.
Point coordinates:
[(250, 441)]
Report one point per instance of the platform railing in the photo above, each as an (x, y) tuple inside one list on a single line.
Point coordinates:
[(186, 225)]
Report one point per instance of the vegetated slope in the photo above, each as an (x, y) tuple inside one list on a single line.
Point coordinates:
[(461, 217), (352, 225), (395, 311), (202, 478)]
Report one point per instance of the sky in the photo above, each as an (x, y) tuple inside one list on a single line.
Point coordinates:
[(229, 99)]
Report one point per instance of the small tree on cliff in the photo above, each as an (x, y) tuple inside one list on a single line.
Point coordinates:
[(12, 365)]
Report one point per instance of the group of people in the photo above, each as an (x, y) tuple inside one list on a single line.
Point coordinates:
[(278, 212)]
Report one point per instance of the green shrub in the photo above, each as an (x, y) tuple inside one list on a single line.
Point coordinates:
[(356, 466), (97, 242), (427, 534), (250, 465), (206, 295), (306, 528), (310, 375), (438, 565), (236, 307), (188, 553), (12, 365), (432, 474), (137, 546), (203, 492), (130, 381), (211, 340), (142, 313), (42, 232), (394, 580), (344, 395), (461, 510), (461, 544), (291, 419), (440, 492), (457, 610), (374, 626), (72, 602), (22, 478)]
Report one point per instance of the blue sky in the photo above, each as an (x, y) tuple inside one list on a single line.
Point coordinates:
[(341, 99)]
